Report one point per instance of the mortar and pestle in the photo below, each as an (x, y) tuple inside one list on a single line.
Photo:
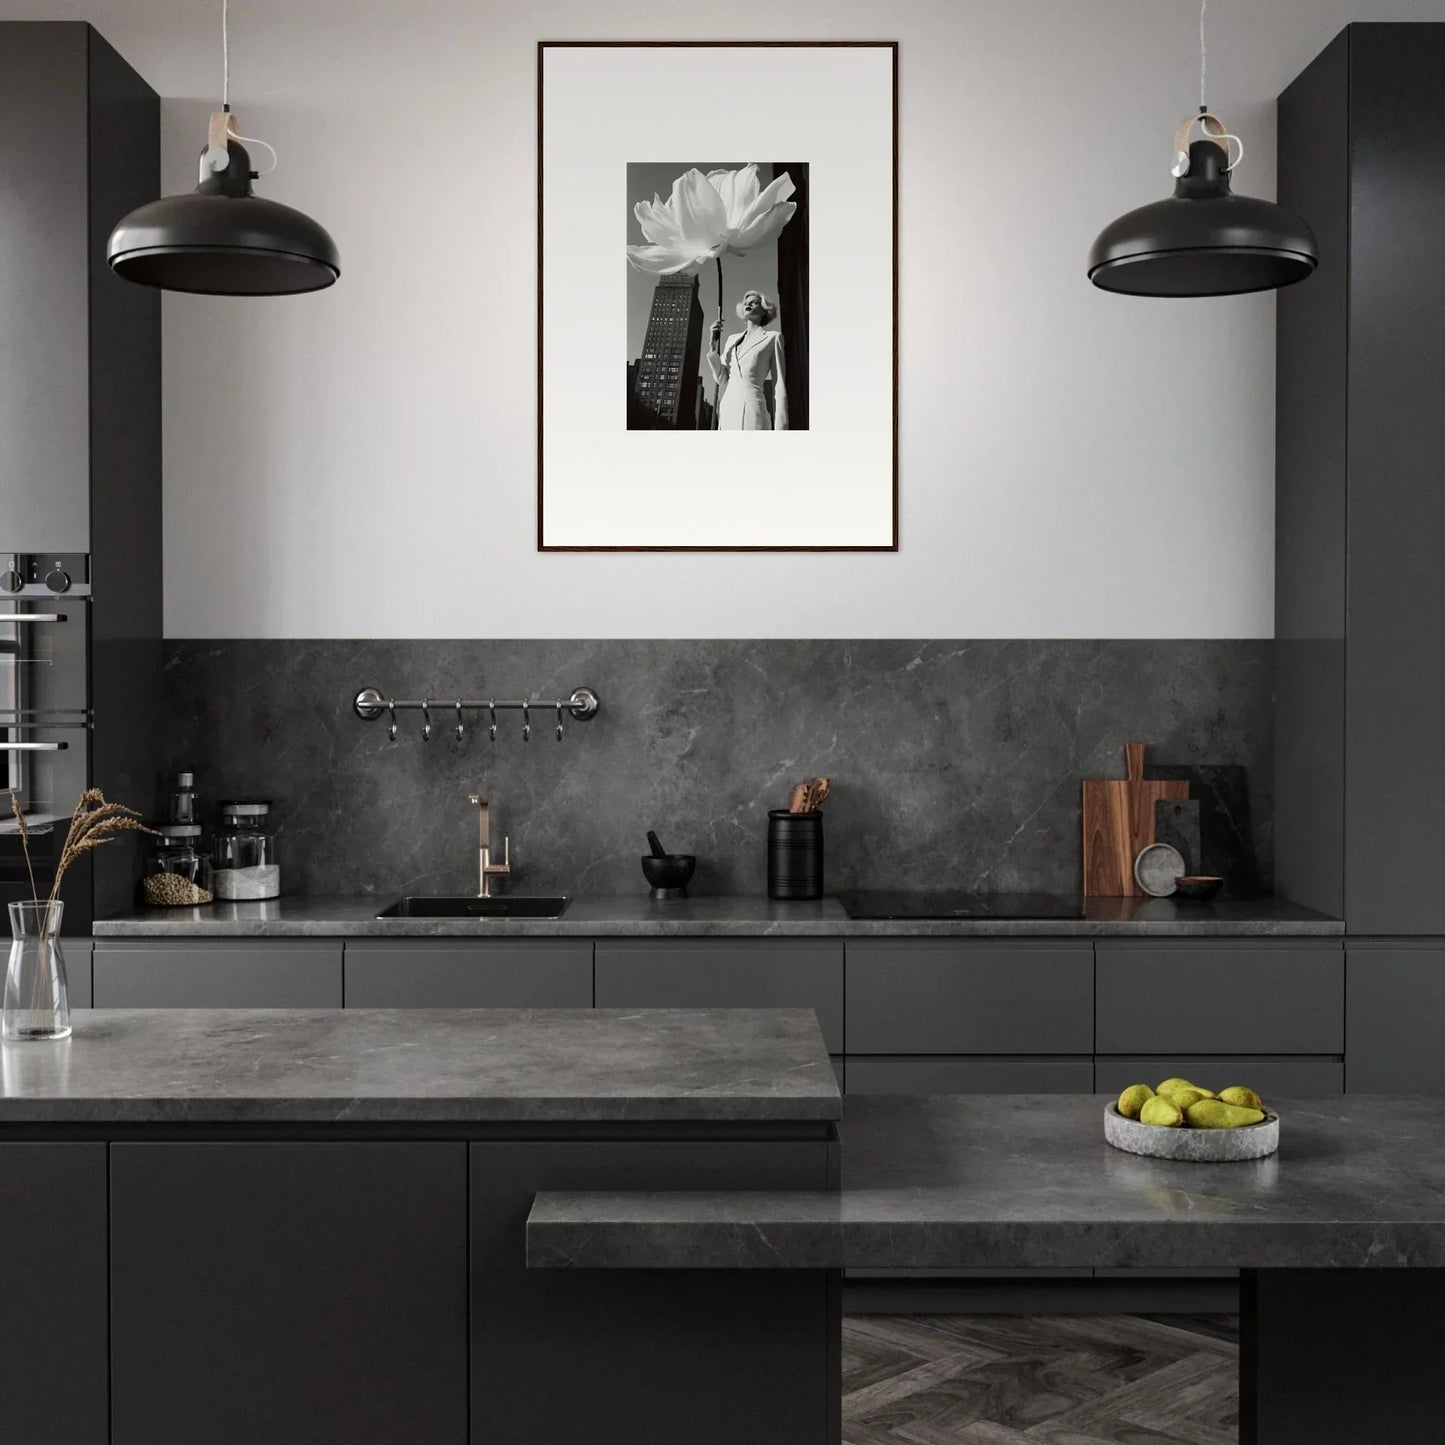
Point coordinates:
[(667, 872)]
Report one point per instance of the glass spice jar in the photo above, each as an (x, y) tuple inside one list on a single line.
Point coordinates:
[(178, 870), (246, 864)]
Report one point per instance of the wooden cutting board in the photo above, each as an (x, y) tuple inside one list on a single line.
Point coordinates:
[(1118, 822)]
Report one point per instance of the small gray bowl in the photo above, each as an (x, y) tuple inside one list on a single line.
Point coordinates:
[(1192, 1146), (1157, 867)]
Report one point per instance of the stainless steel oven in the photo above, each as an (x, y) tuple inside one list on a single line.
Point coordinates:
[(45, 716)]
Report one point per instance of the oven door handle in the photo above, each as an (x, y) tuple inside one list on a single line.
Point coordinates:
[(32, 617), (33, 747)]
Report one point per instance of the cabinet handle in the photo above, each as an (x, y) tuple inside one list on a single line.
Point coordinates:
[(33, 747), (32, 617)]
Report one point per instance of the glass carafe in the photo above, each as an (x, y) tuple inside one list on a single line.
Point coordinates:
[(37, 1001)]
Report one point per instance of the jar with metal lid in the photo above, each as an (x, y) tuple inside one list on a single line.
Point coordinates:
[(178, 870), (246, 865)]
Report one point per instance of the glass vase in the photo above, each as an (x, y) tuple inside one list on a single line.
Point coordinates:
[(37, 1000)]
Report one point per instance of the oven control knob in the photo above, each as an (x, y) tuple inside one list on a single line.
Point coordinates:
[(11, 580), (58, 580)]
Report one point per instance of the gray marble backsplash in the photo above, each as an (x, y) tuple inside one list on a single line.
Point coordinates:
[(954, 764)]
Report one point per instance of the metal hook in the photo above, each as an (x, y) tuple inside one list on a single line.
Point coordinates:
[(559, 722), (492, 730), (461, 726), (391, 708), (526, 723), (426, 719)]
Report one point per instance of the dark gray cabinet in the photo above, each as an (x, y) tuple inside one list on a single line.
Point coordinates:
[(44, 289), (719, 973), (461, 973), (1280, 1077), (77, 953), (80, 355), (207, 973), (237, 1301), (1162, 997), (1360, 825), (958, 996), (928, 1075), (53, 1322), (557, 1353), (1395, 1001)]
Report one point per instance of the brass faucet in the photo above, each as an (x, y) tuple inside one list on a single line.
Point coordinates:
[(486, 869)]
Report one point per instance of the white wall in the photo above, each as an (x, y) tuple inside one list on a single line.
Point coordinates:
[(322, 451)]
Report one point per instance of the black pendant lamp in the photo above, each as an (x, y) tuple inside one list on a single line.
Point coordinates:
[(222, 239), (1203, 240)]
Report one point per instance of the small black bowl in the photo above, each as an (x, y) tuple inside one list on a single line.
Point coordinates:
[(668, 874), (1199, 887)]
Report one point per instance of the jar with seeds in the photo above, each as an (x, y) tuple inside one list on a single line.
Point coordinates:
[(178, 871)]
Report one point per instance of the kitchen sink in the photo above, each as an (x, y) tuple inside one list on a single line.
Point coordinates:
[(473, 907)]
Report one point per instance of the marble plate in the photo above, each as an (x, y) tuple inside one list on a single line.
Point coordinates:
[(1196, 1146)]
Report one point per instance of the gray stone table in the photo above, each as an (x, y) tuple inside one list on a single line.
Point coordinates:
[(638, 916), (1340, 1236), (422, 1066)]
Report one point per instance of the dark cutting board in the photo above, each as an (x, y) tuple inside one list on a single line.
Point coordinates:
[(1176, 822), (1226, 834)]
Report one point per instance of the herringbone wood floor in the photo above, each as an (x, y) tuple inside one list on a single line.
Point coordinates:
[(1040, 1380)]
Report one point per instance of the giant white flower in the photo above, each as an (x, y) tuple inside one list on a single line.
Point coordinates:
[(708, 216)]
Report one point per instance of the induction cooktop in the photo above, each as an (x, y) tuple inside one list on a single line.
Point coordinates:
[(950, 904)]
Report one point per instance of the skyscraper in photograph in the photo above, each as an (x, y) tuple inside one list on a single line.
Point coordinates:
[(665, 384)]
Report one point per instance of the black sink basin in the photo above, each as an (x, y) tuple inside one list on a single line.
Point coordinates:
[(475, 908)]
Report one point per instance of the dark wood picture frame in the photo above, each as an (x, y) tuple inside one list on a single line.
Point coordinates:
[(542, 47)]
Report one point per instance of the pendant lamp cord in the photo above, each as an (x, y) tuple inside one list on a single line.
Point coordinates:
[(226, 53), (1203, 55)]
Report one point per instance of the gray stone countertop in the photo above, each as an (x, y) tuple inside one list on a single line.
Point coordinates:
[(747, 917), (1028, 1181), (422, 1066)]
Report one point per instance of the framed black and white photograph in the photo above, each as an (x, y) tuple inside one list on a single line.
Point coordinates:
[(734, 293)]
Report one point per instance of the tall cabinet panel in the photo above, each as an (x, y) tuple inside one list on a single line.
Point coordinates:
[(44, 321), (1360, 599), (80, 447)]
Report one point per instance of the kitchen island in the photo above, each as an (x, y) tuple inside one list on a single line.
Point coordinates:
[(297, 1225), (1341, 1235)]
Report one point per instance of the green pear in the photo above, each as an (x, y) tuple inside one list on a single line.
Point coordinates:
[(1133, 1099), (1183, 1098), (1161, 1112), (1245, 1098), (1215, 1114), (1169, 1086)]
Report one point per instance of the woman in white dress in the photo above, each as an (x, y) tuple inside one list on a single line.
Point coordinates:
[(750, 359)]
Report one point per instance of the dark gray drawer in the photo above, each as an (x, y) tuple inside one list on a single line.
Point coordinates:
[(459, 973), (1396, 998), (921, 996), (969, 1076), (1280, 1077), (716, 973), (1219, 998), (202, 973)]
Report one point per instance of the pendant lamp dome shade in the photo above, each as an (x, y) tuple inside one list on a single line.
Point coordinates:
[(1203, 240), (223, 240)]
